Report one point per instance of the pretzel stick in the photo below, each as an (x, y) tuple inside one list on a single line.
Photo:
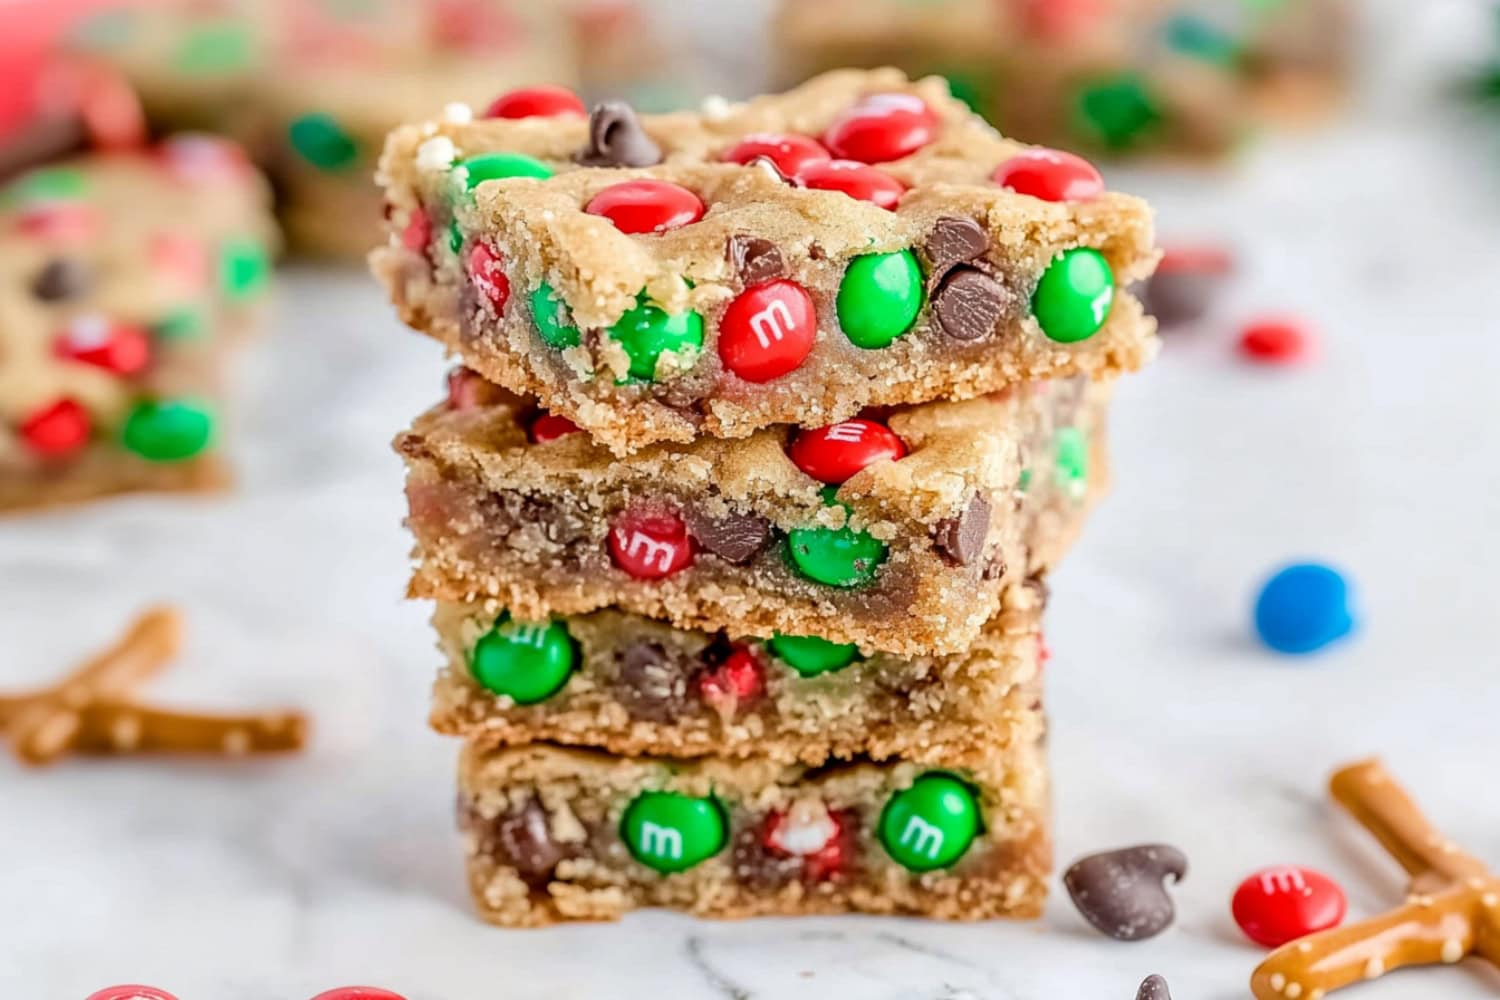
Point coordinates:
[(1428, 932), (45, 726), (123, 727), (1381, 806)]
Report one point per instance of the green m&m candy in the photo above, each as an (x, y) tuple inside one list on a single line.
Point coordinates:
[(879, 298), (646, 333), (1072, 458), (497, 166), (1074, 297), (1117, 112), (839, 557), (321, 141), (168, 430), (671, 832), (244, 268), (811, 656), (552, 320), (931, 824), (525, 661)]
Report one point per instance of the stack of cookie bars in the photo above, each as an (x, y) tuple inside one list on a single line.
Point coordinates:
[(771, 420)]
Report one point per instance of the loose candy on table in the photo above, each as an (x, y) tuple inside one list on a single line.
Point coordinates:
[(1153, 988), (930, 824), (1275, 342), (358, 993), (1280, 904), (126, 992), (1303, 608), (1123, 893), (1185, 284)]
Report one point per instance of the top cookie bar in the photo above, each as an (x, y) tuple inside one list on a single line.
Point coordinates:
[(861, 240)]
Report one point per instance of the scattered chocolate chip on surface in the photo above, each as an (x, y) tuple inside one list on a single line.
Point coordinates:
[(616, 139), (960, 539), (1123, 893), (736, 538), (1153, 988), (968, 304), (756, 260), (61, 279), (1185, 285)]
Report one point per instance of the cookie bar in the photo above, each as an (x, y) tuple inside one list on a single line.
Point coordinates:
[(123, 280), (1120, 76), (313, 86), (897, 532), (859, 241), (558, 834), (632, 686)]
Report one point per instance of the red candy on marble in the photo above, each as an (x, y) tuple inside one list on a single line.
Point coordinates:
[(57, 430), (59, 221), (1275, 342), (487, 271), (646, 206), (1051, 175), (536, 102), (1281, 904), (118, 348), (790, 152), (131, 993), (768, 331), (418, 231), (737, 681), (834, 453), (650, 544), (882, 127), (549, 427), (358, 993), (857, 180)]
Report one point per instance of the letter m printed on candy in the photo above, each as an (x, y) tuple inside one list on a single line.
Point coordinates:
[(772, 323), (1282, 880), (661, 841), (922, 837)]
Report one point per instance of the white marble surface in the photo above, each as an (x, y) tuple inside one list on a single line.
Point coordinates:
[(272, 881)]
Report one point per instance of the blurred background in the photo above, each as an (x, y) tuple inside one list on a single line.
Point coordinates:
[(1331, 168)]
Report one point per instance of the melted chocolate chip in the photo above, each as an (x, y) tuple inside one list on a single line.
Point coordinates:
[(960, 540), (968, 304), (650, 684), (1123, 893), (736, 538), (754, 259), (616, 139), (63, 278), (522, 839), (1153, 988), (955, 240)]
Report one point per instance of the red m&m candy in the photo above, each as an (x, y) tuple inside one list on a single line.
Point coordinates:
[(535, 102), (131, 993), (835, 453), (791, 153), (857, 180), (650, 544), (737, 681), (882, 127), (1050, 175), (418, 231), (550, 427), (487, 271), (57, 430), (358, 993), (1274, 342), (1277, 905), (646, 206), (809, 830), (767, 331), (119, 348)]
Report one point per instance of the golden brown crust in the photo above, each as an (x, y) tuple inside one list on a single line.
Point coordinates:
[(1003, 874)]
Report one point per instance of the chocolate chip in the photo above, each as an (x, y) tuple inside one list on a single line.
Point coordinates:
[(954, 240), (736, 538), (757, 867), (649, 684), (522, 839), (1123, 893), (754, 259), (1153, 988), (960, 540), (968, 304), (1178, 298), (616, 139), (63, 278)]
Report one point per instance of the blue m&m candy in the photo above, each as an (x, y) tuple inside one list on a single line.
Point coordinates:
[(1302, 608)]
